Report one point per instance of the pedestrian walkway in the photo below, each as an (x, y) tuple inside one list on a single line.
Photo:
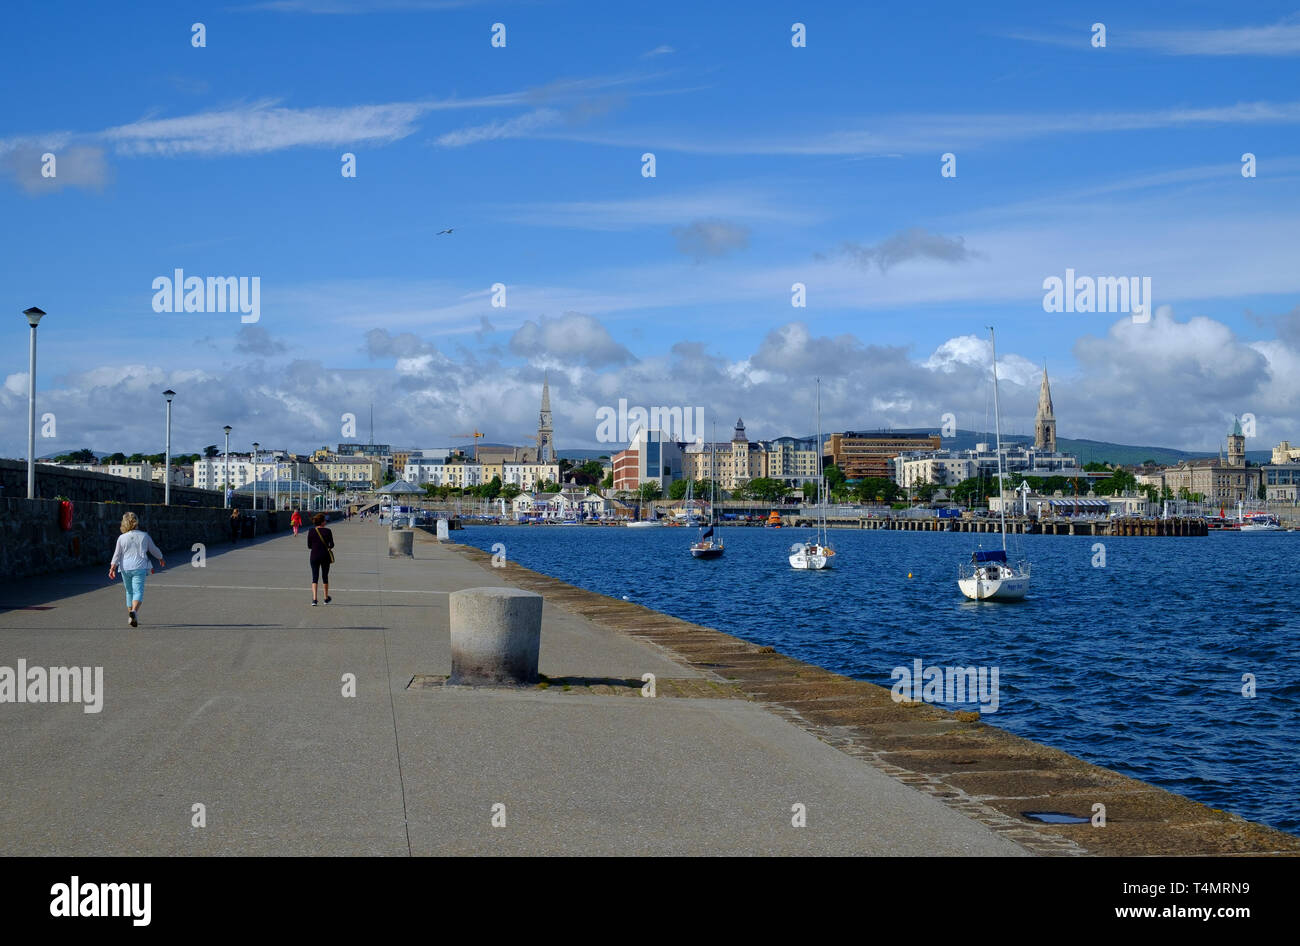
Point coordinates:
[(231, 696)]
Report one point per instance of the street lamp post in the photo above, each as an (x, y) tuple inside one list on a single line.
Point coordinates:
[(167, 453), (33, 317), (255, 446), (225, 487)]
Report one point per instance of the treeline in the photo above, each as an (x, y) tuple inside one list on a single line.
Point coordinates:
[(86, 455)]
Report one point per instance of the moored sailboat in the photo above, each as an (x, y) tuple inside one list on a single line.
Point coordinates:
[(706, 546), (816, 554), (989, 576)]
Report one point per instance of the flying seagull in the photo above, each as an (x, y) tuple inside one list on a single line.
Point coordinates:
[(441, 232)]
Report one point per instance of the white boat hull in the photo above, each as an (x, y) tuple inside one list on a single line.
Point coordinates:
[(977, 588), (811, 561), (641, 525)]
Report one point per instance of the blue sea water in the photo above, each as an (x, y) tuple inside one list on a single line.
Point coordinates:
[(1137, 665)]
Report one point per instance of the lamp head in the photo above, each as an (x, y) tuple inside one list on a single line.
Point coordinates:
[(34, 315), (168, 395), (227, 429)]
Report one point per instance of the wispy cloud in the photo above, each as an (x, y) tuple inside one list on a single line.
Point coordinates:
[(266, 126), (661, 210), (357, 6), (1279, 39), (921, 133), (658, 51), (914, 243), (517, 127), (80, 166)]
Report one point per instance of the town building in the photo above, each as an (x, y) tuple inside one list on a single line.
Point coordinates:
[(950, 467), (871, 455), (651, 456), (1281, 482), (1225, 481), (791, 460), (734, 462), (352, 472), (1285, 453)]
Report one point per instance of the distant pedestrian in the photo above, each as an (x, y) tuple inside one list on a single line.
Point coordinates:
[(296, 521), (132, 554), (320, 547), (234, 524)]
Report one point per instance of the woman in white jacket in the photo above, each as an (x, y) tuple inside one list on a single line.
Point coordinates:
[(132, 555)]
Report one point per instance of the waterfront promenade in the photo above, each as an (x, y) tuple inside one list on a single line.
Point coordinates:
[(230, 696)]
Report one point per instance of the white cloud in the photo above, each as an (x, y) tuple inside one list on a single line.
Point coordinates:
[(517, 127)]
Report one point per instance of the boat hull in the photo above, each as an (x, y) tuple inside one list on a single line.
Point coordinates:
[(642, 525), (813, 562), (715, 552), (995, 589)]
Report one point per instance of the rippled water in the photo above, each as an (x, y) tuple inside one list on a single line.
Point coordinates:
[(1136, 665)]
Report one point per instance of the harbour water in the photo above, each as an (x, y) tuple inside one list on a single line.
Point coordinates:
[(1136, 665)]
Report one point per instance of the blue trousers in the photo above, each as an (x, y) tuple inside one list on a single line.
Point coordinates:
[(133, 582)]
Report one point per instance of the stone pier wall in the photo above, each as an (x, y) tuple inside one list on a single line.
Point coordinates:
[(87, 487), (34, 544)]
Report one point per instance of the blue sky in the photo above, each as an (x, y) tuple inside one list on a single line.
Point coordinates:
[(774, 164)]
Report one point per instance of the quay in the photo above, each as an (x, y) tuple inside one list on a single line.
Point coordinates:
[(233, 696), (1127, 526)]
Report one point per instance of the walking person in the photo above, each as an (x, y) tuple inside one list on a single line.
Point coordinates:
[(132, 554), (320, 546), (296, 521), (234, 525)]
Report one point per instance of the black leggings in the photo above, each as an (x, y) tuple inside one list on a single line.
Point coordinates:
[(320, 571)]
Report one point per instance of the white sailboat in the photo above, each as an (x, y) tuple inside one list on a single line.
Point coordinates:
[(707, 546), (989, 576), (816, 554)]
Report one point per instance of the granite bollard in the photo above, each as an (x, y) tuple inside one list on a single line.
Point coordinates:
[(401, 543), (496, 636)]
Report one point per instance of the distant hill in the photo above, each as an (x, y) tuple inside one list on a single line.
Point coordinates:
[(1088, 451)]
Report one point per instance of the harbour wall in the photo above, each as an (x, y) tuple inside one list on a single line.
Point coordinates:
[(84, 486), (35, 542)]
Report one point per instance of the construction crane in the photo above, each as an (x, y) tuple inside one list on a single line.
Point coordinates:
[(476, 435)]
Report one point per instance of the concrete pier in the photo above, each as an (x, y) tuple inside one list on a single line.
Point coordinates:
[(331, 731)]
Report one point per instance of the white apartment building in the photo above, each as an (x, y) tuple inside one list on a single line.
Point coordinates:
[(950, 467), (528, 476)]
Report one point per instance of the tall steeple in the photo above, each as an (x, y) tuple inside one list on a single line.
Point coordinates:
[(1045, 420), (545, 435), (1236, 444)]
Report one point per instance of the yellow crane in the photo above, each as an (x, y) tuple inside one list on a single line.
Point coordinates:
[(476, 435)]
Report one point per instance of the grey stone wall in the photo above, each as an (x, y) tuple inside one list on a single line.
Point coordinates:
[(84, 486), (31, 542)]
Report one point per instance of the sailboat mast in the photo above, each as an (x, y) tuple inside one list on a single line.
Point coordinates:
[(997, 428), (713, 474), (821, 470)]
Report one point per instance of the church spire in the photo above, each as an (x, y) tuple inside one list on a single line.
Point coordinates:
[(545, 435), (1045, 421)]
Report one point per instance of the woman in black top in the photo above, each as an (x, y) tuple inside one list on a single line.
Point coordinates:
[(320, 543)]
